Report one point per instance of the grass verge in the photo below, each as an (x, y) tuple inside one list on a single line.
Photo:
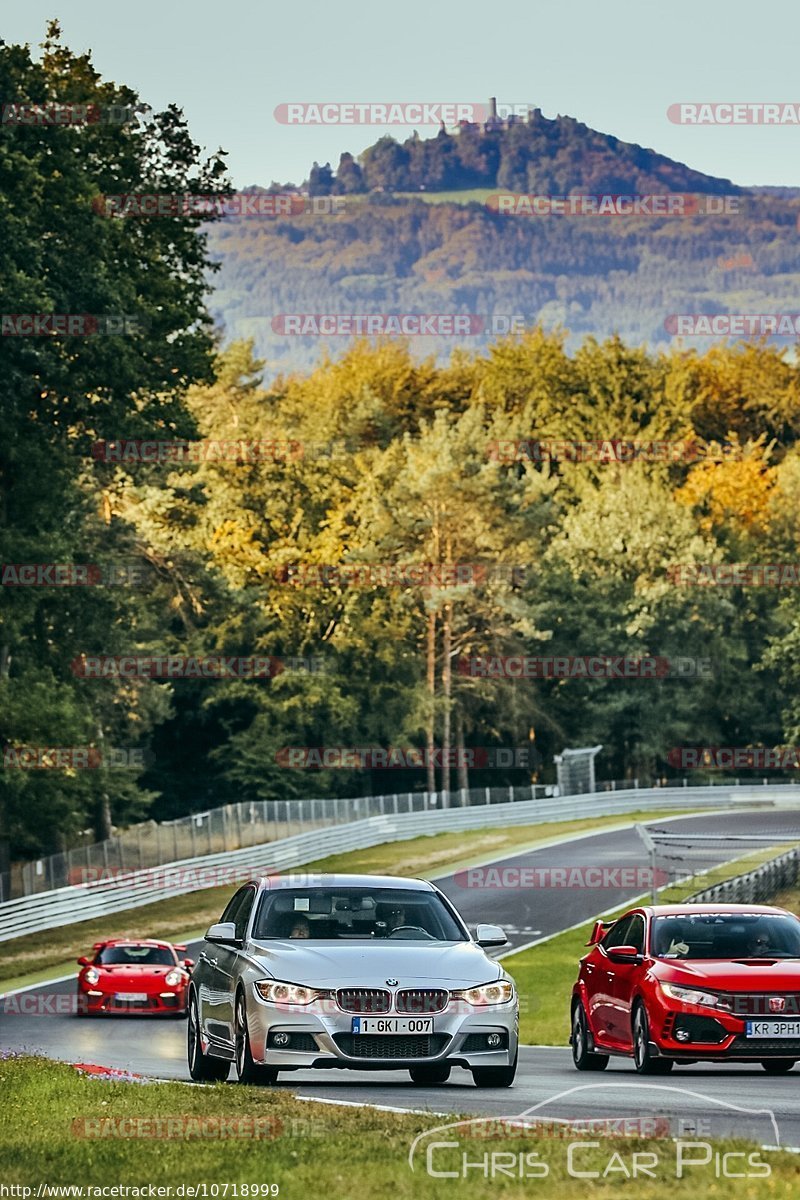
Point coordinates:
[(544, 974), (39, 956), (338, 1152)]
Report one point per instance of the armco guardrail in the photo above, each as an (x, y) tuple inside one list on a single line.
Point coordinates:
[(758, 886), (68, 905), (251, 823), (234, 826)]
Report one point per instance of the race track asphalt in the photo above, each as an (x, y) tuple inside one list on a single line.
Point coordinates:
[(706, 1094)]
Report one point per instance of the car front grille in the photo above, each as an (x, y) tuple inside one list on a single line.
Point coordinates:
[(364, 1000), (765, 1047), (421, 1000), (756, 1004), (378, 1046)]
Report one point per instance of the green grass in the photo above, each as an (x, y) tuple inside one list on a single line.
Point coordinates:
[(344, 1153), (39, 956), (544, 974), (466, 196)]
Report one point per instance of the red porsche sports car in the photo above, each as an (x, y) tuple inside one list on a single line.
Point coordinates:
[(124, 976), (689, 982)]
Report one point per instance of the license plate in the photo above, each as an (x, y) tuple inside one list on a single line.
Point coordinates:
[(773, 1029), (131, 997), (392, 1025)]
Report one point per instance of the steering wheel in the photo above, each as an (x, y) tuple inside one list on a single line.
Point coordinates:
[(415, 929)]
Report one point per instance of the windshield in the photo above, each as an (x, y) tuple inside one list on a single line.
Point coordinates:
[(148, 956), (725, 935), (364, 913)]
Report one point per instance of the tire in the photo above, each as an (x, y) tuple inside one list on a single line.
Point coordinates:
[(247, 1070), (778, 1066), (584, 1058), (435, 1073), (202, 1067), (645, 1062), (494, 1077)]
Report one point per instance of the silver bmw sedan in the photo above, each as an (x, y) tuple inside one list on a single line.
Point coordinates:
[(357, 971)]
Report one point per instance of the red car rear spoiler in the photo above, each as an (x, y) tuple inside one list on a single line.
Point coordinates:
[(601, 928)]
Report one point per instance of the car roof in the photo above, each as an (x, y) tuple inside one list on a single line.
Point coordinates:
[(131, 941), (308, 881), (686, 910)]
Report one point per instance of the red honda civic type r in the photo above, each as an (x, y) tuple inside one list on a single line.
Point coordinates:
[(687, 983), (127, 976)]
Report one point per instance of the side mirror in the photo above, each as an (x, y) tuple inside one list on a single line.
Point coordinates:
[(490, 935), (188, 963), (223, 932), (84, 962), (624, 954)]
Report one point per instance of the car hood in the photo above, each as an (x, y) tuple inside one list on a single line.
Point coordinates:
[(331, 964), (742, 975), (133, 976)]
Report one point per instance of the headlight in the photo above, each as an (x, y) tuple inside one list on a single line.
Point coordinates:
[(91, 976), (487, 993), (277, 992), (688, 995), (174, 978)]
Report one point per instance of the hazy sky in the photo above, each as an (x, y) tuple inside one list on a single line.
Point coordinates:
[(617, 67)]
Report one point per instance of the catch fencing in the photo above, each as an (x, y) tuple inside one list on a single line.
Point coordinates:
[(122, 889), (759, 886)]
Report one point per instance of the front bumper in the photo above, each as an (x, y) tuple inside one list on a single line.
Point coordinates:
[(321, 1037), (98, 1002), (692, 1032)]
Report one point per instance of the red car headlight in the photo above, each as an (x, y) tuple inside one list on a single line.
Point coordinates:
[(174, 979), (690, 995), (91, 976)]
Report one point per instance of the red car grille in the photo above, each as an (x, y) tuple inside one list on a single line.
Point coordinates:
[(761, 1004), (421, 1000), (364, 1000)]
